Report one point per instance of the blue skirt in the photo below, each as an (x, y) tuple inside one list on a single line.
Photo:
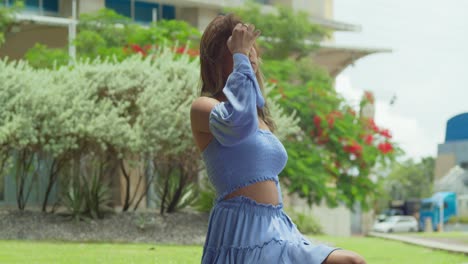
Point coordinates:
[(243, 231)]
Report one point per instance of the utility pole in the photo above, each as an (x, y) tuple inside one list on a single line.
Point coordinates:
[(41, 7), (155, 15), (441, 214), (72, 33), (132, 9)]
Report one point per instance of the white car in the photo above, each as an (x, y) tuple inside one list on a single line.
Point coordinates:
[(400, 223)]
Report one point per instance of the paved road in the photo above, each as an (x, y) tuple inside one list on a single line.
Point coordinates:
[(425, 242)]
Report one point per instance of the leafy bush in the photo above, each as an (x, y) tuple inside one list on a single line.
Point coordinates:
[(40, 56), (135, 110), (307, 224), (87, 197), (459, 219), (206, 198)]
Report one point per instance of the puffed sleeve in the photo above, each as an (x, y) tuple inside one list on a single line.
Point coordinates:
[(236, 119)]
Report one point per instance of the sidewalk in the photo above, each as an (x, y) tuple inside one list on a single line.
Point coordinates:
[(425, 242)]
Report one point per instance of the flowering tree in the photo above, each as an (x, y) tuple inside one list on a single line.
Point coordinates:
[(283, 32), (333, 157)]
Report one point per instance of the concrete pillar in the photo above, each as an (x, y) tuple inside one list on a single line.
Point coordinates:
[(188, 14), (205, 16), (88, 6), (84, 6)]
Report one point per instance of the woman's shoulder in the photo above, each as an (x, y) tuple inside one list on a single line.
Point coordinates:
[(203, 104)]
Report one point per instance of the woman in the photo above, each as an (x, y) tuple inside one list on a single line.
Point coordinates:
[(234, 131)]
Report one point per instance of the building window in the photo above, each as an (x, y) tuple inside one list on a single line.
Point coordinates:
[(168, 12), (30, 3), (35, 5), (51, 5), (143, 11), (264, 2), (120, 6)]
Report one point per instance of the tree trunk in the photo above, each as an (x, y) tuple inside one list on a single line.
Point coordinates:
[(127, 187), (54, 169), (177, 195)]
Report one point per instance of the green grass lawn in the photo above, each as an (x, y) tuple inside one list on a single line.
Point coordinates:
[(376, 251), (28, 252)]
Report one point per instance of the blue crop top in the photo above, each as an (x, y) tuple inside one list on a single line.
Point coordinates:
[(240, 153)]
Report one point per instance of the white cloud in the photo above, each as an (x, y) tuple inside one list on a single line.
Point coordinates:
[(407, 131)]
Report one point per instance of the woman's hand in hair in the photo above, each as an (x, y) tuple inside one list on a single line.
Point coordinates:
[(242, 39)]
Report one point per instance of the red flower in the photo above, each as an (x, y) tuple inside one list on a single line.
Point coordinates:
[(317, 121), (319, 132), (385, 147), (369, 96), (193, 52), (368, 139), (336, 114), (332, 116), (190, 52), (373, 126), (273, 81), (354, 148), (138, 49), (331, 121), (180, 50), (386, 133)]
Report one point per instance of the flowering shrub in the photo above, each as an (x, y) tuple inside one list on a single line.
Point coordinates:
[(333, 157)]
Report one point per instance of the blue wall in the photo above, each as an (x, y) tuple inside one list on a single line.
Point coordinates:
[(457, 128), (36, 182)]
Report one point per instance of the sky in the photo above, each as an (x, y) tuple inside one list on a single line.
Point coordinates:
[(427, 69)]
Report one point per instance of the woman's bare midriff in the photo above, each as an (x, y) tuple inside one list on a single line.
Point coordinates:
[(264, 192)]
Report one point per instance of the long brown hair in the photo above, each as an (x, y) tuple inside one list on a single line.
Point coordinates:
[(213, 49)]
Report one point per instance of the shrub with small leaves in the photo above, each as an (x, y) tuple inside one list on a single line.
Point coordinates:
[(138, 107)]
